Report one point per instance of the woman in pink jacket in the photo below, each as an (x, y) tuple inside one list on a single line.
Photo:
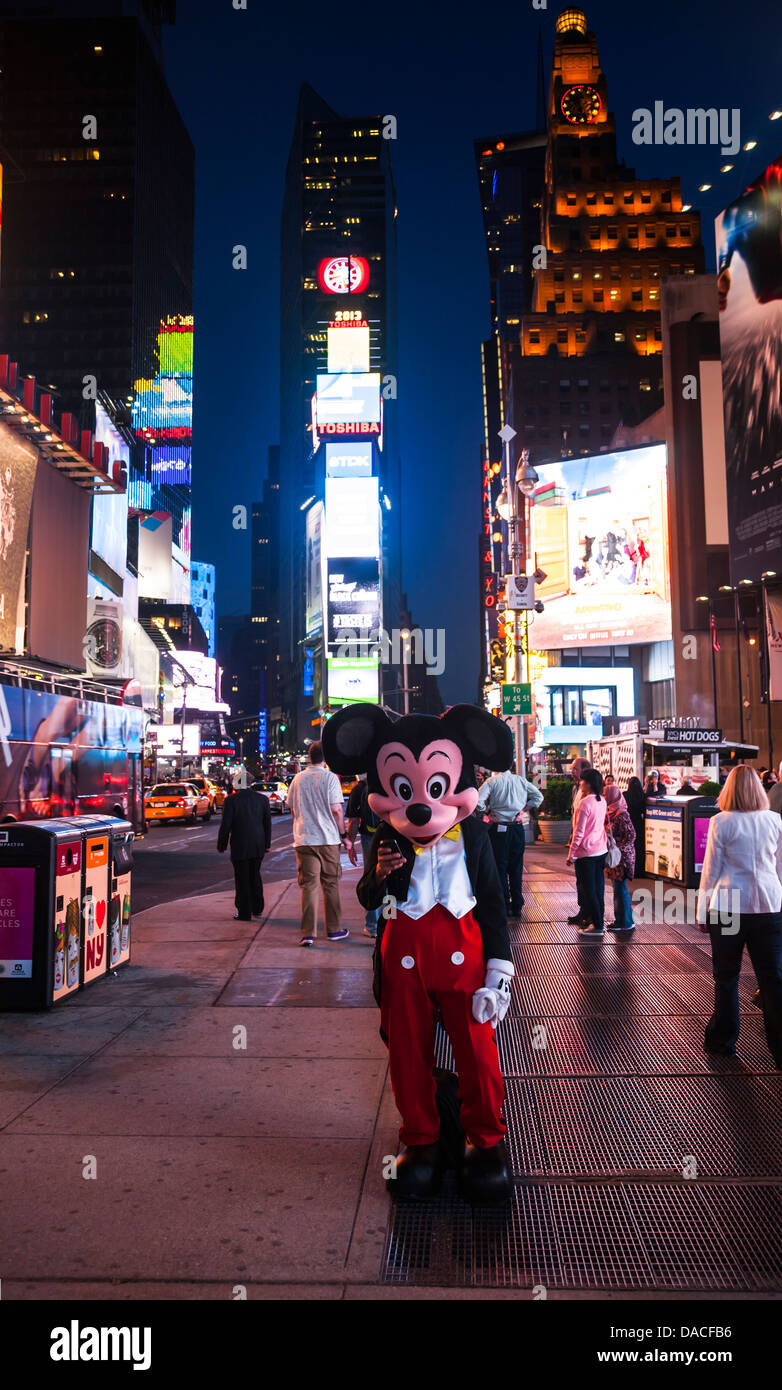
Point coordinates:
[(588, 850)]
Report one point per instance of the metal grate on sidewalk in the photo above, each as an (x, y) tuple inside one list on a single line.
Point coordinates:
[(610, 1100)]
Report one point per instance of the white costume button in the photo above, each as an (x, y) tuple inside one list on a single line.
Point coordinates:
[(407, 962), (457, 958)]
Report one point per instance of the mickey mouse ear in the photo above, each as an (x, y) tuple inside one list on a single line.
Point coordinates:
[(350, 737), (486, 739)]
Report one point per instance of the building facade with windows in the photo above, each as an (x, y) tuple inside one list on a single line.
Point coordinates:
[(338, 427)]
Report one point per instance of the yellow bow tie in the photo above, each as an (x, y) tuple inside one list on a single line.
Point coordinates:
[(453, 834)]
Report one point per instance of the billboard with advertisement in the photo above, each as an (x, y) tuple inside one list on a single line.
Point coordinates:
[(749, 290), (154, 555), (353, 680), (352, 516), (353, 598), (167, 740), (313, 623), (347, 398), (347, 347), (663, 843), (18, 467), (599, 530), (109, 525), (353, 459), (203, 672)]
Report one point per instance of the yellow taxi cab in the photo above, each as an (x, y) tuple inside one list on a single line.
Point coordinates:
[(219, 794), (176, 801), (205, 787)]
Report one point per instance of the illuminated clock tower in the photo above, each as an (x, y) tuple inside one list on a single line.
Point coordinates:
[(607, 238)]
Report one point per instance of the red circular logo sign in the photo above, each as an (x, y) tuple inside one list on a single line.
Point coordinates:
[(343, 275)]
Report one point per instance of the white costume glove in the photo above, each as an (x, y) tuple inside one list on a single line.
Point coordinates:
[(490, 1004)]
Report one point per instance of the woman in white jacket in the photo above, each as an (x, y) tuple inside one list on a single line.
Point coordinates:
[(741, 894)]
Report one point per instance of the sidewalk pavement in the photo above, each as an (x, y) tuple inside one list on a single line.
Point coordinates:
[(213, 1117)]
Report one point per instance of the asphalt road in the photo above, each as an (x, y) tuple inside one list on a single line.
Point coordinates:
[(180, 861)]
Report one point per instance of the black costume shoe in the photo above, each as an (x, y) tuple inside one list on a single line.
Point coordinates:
[(577, 920), (484, 1180), (418, 1172), (617, 927)]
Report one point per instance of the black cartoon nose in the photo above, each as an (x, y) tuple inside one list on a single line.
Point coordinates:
[(418, 814)]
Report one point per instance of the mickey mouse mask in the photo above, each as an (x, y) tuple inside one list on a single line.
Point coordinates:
[(420, 769)]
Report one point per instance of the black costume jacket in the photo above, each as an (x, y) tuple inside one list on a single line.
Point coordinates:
[(489, 911)]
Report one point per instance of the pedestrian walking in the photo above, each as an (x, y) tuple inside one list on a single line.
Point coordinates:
[(506, 796), (739, 905), (363, 822), (577, 768), (247, 826), (315, 801), (588, 849), (621, 827), (635, 797)]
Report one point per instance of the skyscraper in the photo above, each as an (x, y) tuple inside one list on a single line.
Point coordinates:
[(337, 343), (96, 291), (606, 240)]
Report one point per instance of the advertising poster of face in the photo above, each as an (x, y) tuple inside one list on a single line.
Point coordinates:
[(18, 465), (749, 289), (599, 531)]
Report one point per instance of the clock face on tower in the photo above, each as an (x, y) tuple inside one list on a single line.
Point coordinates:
[(581, 105)]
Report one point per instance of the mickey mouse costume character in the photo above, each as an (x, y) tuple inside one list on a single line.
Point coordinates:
[(445, 947)]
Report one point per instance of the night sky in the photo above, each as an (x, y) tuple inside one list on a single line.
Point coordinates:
[(449, 74)]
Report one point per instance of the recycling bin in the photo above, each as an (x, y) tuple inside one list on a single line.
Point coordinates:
[(64, 906)]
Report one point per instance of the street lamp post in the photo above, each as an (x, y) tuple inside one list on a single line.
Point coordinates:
[(506, 506), (405, 636)]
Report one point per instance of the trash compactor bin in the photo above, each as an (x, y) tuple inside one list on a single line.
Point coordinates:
[(58, 879)]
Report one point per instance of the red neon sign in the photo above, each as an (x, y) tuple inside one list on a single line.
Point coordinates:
[(343, 274)]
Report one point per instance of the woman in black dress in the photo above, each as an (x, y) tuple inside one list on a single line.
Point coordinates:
[(635, 797)]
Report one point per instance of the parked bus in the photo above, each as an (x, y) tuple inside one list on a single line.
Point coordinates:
[(69, 746)]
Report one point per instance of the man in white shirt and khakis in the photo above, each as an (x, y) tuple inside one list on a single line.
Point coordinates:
[(315, 799)]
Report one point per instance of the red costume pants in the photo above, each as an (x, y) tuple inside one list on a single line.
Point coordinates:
[(436, 963)]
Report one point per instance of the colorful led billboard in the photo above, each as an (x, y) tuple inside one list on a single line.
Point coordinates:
[(353, 601), (352, 516), (353, 680), (162, 413), (349, 460), (348, 398), (599, 530), (749, 289), (314, 579), (348, 348), (343, 274)]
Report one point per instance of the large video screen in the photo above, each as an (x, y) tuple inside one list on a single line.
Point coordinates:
[(348, 398), (353, 602), (352, 516), (749, 291), (599, 530)]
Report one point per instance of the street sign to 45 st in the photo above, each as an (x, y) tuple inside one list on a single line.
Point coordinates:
[(516, 698)]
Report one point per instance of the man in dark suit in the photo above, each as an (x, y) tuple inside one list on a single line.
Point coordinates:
[(247, 824)]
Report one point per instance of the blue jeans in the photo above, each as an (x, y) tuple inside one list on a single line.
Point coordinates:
[(623, 906), (372, 915)]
